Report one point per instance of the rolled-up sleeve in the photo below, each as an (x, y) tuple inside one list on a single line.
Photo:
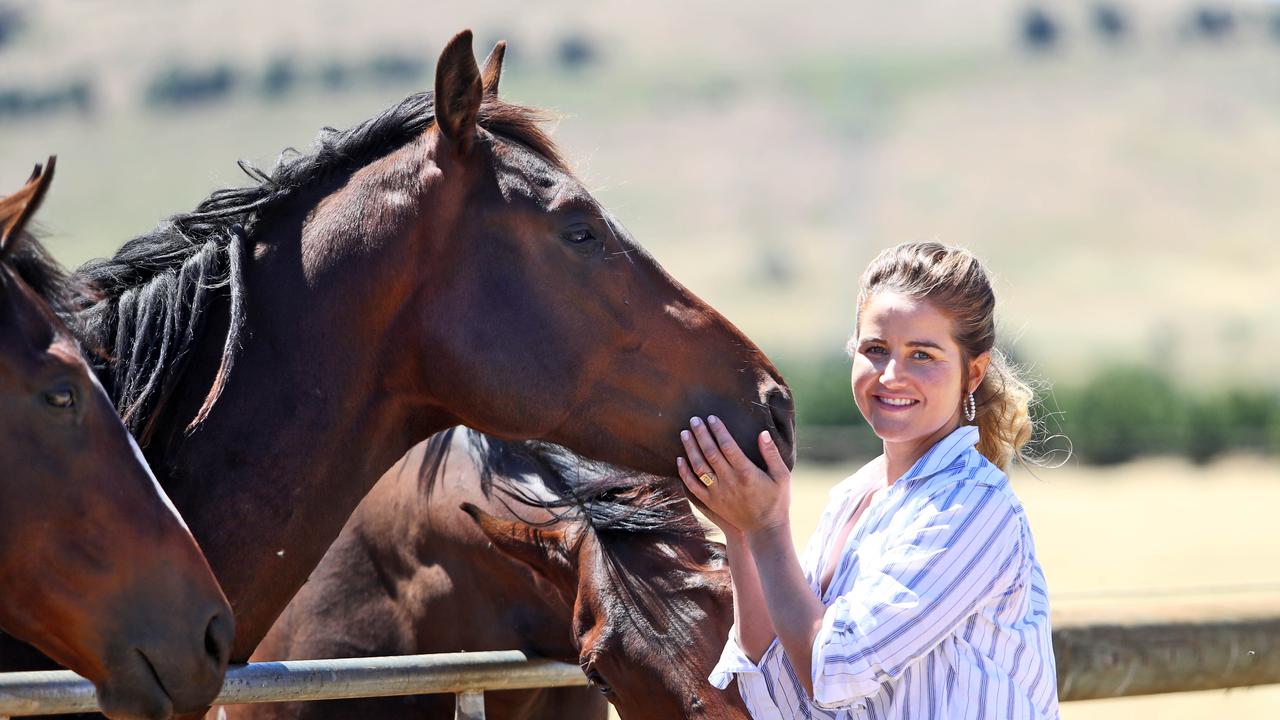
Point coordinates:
[(752, 684), (733, 661), (964, 549)]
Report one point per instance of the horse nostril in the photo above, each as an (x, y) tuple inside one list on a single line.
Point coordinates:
[(783, 413), (218, 636)]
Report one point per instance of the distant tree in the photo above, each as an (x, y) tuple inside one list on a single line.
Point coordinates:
[(177, 86), (334, 75), (280, 78), (1213, 22), (576, 51), (12, 22), (397, 68), (1209, 430), (1110, 22), (80, 95), (76, 95), (1122, 413), (1248, 416), (1040, 31), (821, 389)]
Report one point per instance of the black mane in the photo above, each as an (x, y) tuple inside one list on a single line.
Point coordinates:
[(607, 498), (159, 289), (618, 506)]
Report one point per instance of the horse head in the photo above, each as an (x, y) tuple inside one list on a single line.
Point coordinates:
[(98, 569), (651, 597), (526, 309)]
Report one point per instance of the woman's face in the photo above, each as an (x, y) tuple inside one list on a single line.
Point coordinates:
[(907, 370)]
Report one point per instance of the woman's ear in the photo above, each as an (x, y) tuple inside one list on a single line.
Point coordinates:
[(978, 370)]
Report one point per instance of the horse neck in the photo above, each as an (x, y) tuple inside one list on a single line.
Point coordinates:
[(497, 598), (304, 426)]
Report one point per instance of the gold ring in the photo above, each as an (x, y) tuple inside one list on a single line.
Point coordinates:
[(708, 478)]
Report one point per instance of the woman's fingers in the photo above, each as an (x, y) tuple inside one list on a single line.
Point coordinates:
[(728, 446), (696, 488), (697, 463), (682, 467), (773, 461), (710, 450)]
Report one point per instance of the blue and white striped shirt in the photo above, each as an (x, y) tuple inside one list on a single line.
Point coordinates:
[(937, 609)]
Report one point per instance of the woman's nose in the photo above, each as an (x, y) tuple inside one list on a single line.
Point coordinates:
[(890, 375)]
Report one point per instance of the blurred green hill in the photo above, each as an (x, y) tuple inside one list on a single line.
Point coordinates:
[(1121, 188)]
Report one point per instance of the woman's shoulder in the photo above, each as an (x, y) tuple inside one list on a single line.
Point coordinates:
[(974, 475)]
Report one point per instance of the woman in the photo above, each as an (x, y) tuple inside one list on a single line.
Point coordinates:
[(919, 594)]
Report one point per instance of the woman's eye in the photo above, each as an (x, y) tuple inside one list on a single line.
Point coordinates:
[(921, 355), (579, 236), (874, 350), (62, 398)]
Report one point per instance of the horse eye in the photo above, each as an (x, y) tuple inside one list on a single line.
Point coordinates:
[(62, 398), (579, 236), (597, 682)]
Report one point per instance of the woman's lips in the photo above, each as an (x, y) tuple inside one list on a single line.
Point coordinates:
[(895, 404)]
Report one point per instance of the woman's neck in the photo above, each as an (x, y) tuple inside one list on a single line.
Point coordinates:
[(900, 456)]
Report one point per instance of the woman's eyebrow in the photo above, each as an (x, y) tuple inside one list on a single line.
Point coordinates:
[(924, 343), (913, 343)]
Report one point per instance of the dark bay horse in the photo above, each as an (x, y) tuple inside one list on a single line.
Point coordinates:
[(545, 555), (278, 348), (96, 567)]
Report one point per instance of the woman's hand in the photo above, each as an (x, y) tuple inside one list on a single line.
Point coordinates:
[(743, 498)]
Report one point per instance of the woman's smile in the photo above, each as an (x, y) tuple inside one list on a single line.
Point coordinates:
[(895, 404)]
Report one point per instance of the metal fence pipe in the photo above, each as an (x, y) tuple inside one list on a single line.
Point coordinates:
[(57, 692), (1102, 652), (469, 705)]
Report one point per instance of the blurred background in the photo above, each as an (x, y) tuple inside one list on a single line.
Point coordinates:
[(1115, 164)]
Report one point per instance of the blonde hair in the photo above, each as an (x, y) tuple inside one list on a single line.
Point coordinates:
[(953, 281)]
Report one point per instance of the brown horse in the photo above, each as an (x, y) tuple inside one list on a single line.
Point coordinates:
[(96, 567), (574, 563), (284, 344)]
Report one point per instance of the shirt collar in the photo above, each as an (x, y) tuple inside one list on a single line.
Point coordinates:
[(937, 458), (944, 452)]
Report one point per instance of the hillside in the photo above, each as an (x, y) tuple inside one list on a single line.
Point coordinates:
[(1123, 195)]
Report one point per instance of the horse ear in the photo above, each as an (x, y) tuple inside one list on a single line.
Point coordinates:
[(542, 549), (17, 209), (458, 92), (492, 72)]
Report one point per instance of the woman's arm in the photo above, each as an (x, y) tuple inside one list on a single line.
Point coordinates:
[(750, 614), (774, 597), (795, 611)]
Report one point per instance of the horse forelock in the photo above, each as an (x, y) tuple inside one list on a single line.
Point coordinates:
[(27, 260), (155, 295)]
